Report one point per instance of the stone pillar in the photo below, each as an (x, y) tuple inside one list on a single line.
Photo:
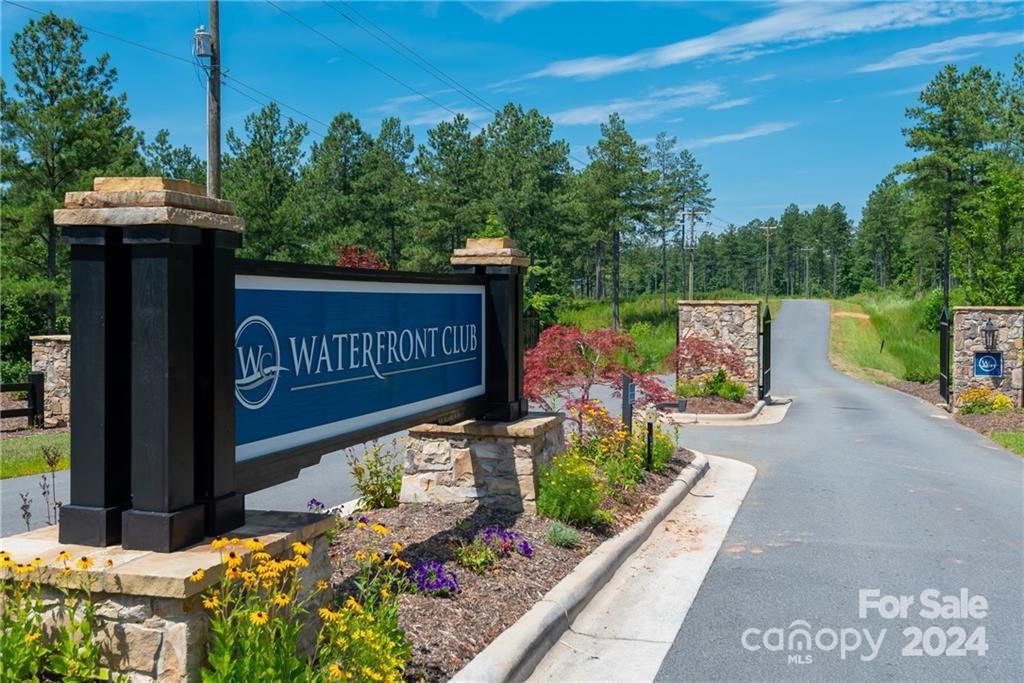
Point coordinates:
[(51, 355), (493, 463), (968, 340), (728, 322), (152, 624)]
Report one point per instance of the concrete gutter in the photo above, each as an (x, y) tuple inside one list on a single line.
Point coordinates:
[(694, 418), (514, 654)]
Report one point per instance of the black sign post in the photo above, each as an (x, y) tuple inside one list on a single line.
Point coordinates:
[(101, 401), (628, 399)]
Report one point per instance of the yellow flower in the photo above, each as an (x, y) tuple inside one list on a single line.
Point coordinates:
[(254, 544), (22, 568), (219, 543), (361, 525), (329, 615), (62, 556), (360, 556), (108, 564), (250, 578), (234, 560), (300, 548), (376, 557), (380, 529), (385, 593), (234, 573), (397, 547), (322, 585), (235, 541), (197, 576), (335, 671), (84, 562), (281, 599), (300, 561), (212, 602), (259, 617), (33, 637), (353, 605), (261, 557)]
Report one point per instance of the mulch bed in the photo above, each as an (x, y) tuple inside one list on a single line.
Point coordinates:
[(1007, 421), (716, 405), (446, 633)]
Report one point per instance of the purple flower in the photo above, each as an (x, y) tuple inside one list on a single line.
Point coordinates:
[(524, 548), (504, 541), (432, 579), (315, 505), (364, 520)]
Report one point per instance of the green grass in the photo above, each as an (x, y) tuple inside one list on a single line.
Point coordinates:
[(1011, 440), (910, 350), (20, 456), (653, 332)]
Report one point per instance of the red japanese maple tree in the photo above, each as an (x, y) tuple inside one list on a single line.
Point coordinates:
[(354, 256), (695, 356), (566, 364)]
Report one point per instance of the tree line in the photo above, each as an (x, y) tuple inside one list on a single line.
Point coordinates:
[(608, 227)]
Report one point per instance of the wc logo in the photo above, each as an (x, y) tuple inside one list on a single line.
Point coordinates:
[(259, 360)]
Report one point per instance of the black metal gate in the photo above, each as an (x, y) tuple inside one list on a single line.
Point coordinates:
[(764, 384), (944, 360)]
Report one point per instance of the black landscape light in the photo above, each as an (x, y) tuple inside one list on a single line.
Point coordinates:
[(989, 331)]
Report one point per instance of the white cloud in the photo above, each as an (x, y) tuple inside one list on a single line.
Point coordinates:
[(945, 50), (912, 90), (760, 130), (498, 11), (762, 77), (791, 25), (432, 117), (641, 109), (731, 104)]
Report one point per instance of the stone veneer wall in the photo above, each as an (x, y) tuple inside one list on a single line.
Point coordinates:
[(51, 354), (728, 322), (493, 463), (968, 338)]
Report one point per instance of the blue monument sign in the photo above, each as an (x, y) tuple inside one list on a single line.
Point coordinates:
[(318, 359), (988, 364)]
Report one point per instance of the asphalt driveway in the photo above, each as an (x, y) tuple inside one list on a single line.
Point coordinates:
[(860, 488)]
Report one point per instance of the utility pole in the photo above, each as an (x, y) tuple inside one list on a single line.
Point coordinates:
[(213, 106), (807, 271), (690, 245), (767, 259)]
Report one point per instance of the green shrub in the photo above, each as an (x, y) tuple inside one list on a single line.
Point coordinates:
[(715, 384), (664, 449), (563, 536), (603, 517), (493, 228), (476, 556), (14, 370), (377, 475), (570, 490)]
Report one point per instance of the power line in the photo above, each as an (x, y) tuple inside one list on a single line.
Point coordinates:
[(409, 54), (179, 58)]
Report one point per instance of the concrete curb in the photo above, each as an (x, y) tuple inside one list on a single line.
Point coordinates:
[(514, 654), (693, 418)]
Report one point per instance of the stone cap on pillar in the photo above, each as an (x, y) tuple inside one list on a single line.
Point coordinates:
[(490, 251), (122, 202)]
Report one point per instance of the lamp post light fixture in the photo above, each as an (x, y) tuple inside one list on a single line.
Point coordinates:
[(989, 333)]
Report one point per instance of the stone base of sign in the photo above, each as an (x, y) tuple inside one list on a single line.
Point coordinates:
[(734, 323), (51, 355), (492, 463), (968, 339), (152, 624)]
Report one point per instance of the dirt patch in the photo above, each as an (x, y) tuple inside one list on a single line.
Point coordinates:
[(446, 633), (850, 314), (925, 391)]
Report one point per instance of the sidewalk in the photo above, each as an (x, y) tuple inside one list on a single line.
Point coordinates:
[(627, 629)]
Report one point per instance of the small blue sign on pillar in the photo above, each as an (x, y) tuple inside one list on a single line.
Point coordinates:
[(988, 364)]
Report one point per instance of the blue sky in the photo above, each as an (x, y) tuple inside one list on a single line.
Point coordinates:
[(782, 102)]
